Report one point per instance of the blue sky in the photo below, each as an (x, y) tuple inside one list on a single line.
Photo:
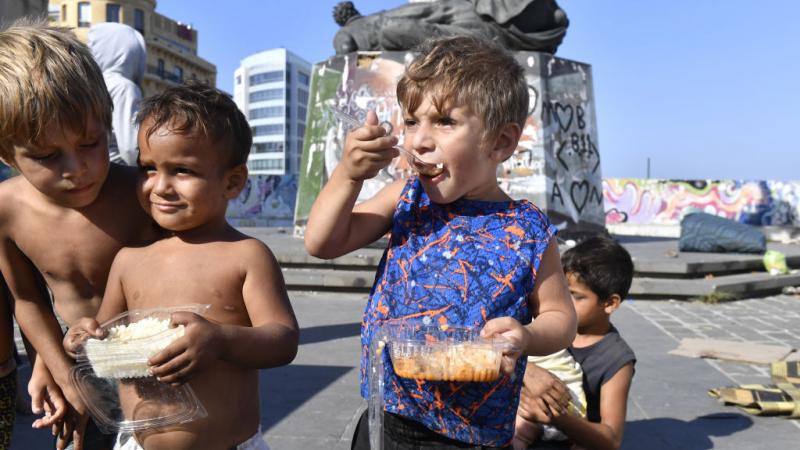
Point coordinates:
[(705, 88)]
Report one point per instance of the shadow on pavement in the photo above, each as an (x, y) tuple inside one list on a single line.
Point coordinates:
[(668, 433), (312, 335), (284, 389)]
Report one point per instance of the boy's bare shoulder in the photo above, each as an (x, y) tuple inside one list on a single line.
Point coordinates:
[(13, 198), (250, 246)]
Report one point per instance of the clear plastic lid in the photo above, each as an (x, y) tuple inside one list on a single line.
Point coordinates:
[(134, 404), (112, 375)]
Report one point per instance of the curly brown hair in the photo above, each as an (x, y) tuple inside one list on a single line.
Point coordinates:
[(468, 71)]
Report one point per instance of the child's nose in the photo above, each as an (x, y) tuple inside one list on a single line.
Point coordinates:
[(74, 166), (162, 185), (422, 139)]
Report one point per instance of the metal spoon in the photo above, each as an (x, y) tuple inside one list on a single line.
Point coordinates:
[(422, 167)]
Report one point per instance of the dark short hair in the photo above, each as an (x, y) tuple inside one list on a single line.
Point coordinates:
[(197, 107), (602, 264)]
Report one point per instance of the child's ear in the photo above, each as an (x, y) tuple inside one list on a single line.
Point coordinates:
[(235, 180), (612, 304), (506, 142)]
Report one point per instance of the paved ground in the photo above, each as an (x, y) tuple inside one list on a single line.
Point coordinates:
[(313, 403)]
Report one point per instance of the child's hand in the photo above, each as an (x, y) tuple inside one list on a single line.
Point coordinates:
[(367, 150), (72, 427), (196, 349), (46, 397), (543, 395), (78, 333), (513, 331)]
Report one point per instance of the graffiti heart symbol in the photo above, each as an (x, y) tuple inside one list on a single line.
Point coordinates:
[(579, 193), (564, 115)]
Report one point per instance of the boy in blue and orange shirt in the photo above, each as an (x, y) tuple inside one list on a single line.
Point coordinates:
[(461, 252)]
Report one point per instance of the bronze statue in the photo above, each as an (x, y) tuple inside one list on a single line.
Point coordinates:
[(532, 25)]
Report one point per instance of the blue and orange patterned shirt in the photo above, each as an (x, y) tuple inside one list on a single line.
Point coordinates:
[(459, 264)]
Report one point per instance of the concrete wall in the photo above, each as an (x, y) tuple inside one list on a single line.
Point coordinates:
[(655, 207), (557, 162)]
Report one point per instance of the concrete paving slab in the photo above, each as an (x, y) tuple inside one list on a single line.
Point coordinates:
[(314, 402)]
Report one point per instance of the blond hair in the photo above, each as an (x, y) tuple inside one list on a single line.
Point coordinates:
[(471, 72), (48, 78)]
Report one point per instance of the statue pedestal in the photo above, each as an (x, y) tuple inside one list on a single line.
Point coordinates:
[(557, 162)]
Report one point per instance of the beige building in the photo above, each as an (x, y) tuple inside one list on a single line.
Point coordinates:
[(171, 46)]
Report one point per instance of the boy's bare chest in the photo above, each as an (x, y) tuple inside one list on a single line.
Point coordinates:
[(202, 276), (71, 248)]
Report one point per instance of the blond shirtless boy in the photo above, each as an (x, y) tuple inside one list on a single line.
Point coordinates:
[(70, 211), (193, 145)]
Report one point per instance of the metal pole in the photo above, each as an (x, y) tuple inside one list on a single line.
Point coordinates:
[(648, 167)]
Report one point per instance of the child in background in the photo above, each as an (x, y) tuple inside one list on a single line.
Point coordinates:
[(461, 252), (599, 271), (69, 211), (569, 372), (193, 144)]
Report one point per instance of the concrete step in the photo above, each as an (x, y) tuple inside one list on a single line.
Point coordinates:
[(662, 259), (661, 271), (743, 285), (319, 279)]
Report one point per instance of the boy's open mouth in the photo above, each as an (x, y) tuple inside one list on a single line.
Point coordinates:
[(429, 170)]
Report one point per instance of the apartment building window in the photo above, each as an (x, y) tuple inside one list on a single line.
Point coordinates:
[(239, 80), (268, 130), (303, 77), (267, 147), (299, 147), (178, 74), (138, 20), (302, 97), (266, 77), (301, 130), (84, 14), (288, 113), (112, 12), (301, 113), (160, 67), (265, 164), (270, 111), (269, 94)]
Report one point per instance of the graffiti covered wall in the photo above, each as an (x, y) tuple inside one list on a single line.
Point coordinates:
[(266, 201), (556, 164), (630, 201)]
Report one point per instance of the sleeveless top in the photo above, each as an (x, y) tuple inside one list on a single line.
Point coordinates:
[(600, 362), (458, 264)]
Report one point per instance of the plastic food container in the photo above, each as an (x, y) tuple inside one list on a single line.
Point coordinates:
[(428, 353), (450, 354), (112, 376), (134, 404)]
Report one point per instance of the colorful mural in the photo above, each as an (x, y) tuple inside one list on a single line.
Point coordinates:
[(556, 165), (266, 201), (665, 202)]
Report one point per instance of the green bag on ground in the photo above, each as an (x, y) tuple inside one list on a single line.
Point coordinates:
[(775, 263)]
